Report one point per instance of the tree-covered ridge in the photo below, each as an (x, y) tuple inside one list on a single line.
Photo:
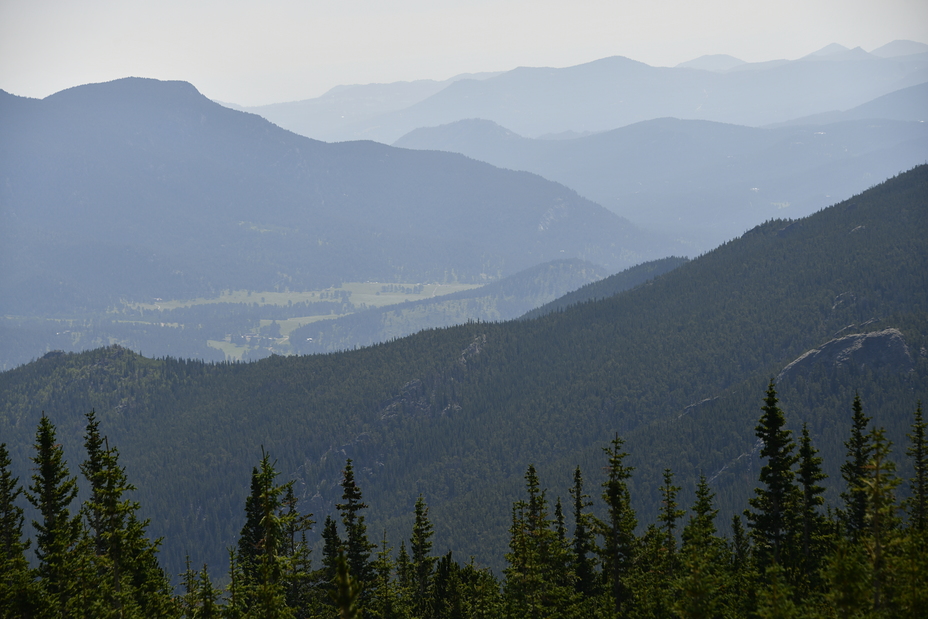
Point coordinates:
[(794, 559), (458, 414)]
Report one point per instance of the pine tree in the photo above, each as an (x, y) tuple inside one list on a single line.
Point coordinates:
[(917, 505), (853, 471), (584, 569), (357, 547), (346, 593), (668, 517), (57, 532), (249, 540), (266, 586), (422, 564), (123, 555), (618, 530), (18, 594), (775, 505), (814, 524), (539, 582), (703, 559), (879, 487)]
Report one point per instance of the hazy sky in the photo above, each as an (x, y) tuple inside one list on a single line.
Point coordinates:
[(252, 53)]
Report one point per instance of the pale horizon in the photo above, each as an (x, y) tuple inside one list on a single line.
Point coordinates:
[(252, 54)]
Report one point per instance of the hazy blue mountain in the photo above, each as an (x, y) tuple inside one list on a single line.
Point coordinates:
[(905, 104), (700, 181), (505, 299), (712, 62), (140, 189), (900, 47), (325, 117), (614, 92)]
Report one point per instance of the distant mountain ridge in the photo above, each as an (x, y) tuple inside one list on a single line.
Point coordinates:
[(706, 182), (614, 92), (140, 189)]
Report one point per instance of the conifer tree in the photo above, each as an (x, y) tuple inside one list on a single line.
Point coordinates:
[(618, 529), (584, 549), (357, 547), (917, 504), (422, 562), (773, 519), (18, 594), (346, 593), (668, 517), (125, 558), (879, 486), (51, 493), (853, 471), (702, 558), (814, 524)]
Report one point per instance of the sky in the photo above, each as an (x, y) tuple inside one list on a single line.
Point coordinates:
[(255, 53)]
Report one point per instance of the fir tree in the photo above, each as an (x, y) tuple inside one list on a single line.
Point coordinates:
[(668, 517), (18, 594), (422, 562), (773, 520), (879, 487), (703, 559), (584, 570), (917, 505), (51, 493), (814, 524), (357, 547), (853, 471), (618, 530)]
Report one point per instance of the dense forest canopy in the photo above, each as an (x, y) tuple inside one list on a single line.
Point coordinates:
[(830, 306)]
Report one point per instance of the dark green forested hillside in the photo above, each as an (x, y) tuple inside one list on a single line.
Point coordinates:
[(676, 366)]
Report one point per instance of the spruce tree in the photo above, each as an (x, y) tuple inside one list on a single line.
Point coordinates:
[(57, 531), (814, 524), (357, 547), (618, 529), (18, 594), (422, 563), (773, 519), (668, 517), (879, 487), (703, 560), (584, 569), (853, 471), (917, 504)]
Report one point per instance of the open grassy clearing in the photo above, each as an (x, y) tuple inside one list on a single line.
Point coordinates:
[(372, 294), (288, 325)]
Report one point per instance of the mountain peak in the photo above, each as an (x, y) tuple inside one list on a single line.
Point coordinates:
[(712, 62), (900, 47)]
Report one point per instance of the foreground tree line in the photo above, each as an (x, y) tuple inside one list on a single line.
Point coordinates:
[(789, 558)]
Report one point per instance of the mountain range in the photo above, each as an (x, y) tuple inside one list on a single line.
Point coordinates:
[(829, 305), (613, 92), (706, 182), (139, 189)]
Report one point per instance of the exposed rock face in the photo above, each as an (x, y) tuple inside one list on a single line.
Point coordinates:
[(884, 350)]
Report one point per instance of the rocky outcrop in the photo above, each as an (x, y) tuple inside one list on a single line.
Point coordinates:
[(878, 350)]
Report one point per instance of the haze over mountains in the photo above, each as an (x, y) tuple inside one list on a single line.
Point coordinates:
[(613, 92), (677, 366), (706, 182), (200, 204), (195, 198)]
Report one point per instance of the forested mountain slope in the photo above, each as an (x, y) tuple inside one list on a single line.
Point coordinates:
[(677, 366), (138, 189)]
